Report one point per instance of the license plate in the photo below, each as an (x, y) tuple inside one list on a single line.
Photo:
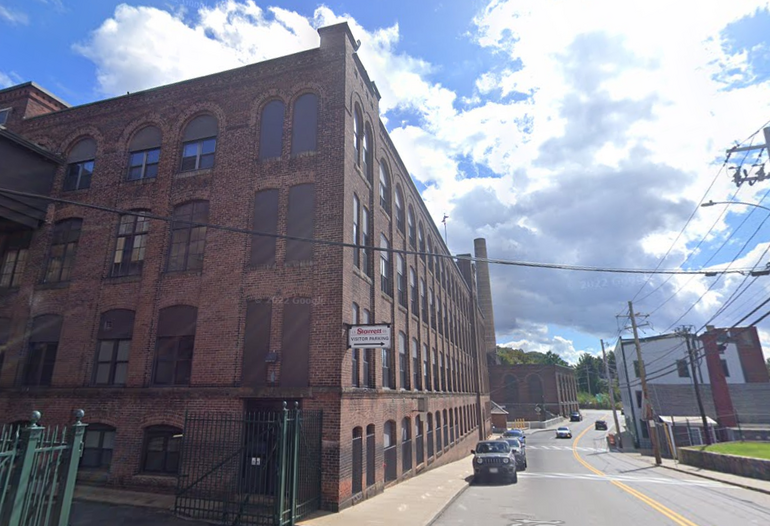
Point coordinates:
[(493, 470)]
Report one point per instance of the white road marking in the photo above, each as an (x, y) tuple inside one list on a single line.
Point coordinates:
[(624, 478)]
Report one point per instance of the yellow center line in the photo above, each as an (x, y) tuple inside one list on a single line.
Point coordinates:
[(657, 506)]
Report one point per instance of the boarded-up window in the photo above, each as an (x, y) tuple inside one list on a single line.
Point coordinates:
[(295, 346), (265, 221), (256, 342), (115, 330), (271, 130), (305, 124), (300, 222), (175, 343), (41, 355), (358, 460)]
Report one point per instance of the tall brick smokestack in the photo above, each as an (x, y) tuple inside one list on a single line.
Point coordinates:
[(485, 297)]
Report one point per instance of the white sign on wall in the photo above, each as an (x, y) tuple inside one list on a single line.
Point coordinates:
[(367, 336)]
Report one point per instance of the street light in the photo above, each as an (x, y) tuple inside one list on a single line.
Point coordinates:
[(712, 203)]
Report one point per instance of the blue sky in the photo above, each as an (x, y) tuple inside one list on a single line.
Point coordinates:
[(581, 132)]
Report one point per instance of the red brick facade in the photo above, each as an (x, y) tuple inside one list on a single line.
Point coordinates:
[(327, 285), (521, 389)]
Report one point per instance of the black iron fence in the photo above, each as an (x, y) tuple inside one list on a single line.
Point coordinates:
[(255, 469)]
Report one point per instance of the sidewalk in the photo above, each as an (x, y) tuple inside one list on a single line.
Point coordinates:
[(762, 486), (415, 502)]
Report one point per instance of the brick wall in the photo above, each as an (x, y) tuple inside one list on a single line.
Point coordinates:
[(226, 282)]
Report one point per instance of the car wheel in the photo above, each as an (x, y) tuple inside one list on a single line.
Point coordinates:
[(525, 466), (515, 477)]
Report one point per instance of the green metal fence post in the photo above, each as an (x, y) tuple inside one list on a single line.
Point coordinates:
[(282, 466), (295, 463), (68, 476), (26, 459)]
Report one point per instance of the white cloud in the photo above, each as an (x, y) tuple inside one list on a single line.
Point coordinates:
[(589, 141), (5, 80), (13, 17)]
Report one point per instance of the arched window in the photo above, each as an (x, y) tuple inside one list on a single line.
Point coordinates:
[(418, 441), (406, 445), (199, 143), (98, 443), (367, 153), (384, 187), (389, 450), (271, 130), (61, 256), (439, 442), (429, 438), (421, 241), (415, 351), (80, 165), (144, 154), (400, 216), (410, 224), (358, 132), (371, 469), (358, 460), (430, 254), (511, 390), (305, 124), (161, 450), (188, 241), (403, 361)]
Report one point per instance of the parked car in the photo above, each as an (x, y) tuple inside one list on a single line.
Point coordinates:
[(563, 432), (575, 416), (516, 433), (600, 425), (494, 458), (519, 451)]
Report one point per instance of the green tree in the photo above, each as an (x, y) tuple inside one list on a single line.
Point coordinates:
[(589, 374)]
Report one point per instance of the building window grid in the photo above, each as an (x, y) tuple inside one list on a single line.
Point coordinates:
[(198, 154), (386, 272), (98, 444), (61, 258), (356, 375), (130, 245), (188, 241), (161, 450), (415, 295), (410, 225), (425, 375), (356, 231), (401, 281), (403, 365), (424, 301), (366, 253), (14, 258), (173, 360), (78, 176), (416, 365), (143, 164), (112, 362)]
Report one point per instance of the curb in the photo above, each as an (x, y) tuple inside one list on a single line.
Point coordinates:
[(447, 504), (730, 483)]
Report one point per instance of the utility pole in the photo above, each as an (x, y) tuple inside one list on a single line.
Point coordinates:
[(643, 377), (588, 381), (612, 395), (686, 332)]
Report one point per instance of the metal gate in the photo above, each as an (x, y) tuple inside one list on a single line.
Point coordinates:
[(261, 468), (38, 470)]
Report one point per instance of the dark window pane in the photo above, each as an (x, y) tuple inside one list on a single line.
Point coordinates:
[(266, 221), (300, 222), (305, 124), (271, 130)]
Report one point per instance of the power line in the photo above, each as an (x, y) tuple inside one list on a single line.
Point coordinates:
[(465, 257)]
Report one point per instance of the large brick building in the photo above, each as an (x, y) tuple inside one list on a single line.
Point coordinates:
[(139, 292), (534, 392)]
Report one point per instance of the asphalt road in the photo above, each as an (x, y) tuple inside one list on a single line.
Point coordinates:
[(578, 482)]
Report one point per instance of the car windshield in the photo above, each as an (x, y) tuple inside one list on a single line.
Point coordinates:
[(563, 429), (492, 447), (514, 443), (513, 433)]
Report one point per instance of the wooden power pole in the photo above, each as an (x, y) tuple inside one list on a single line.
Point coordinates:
[(649, 418), (611, 388)]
